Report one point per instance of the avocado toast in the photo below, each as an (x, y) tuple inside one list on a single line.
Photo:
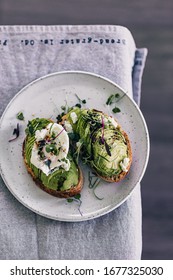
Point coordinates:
[(48, 159), (101, 142)]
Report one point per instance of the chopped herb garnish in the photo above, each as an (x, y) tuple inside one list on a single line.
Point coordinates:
[(78, 105), (41, 143), (63, 108), (114, 98), (110, 100), (116, 110), (107, 148), (48, 162), (16, 132), (53, 135), (103, 130), (48, 149), (52, 149), (41, 154), (59, 117), (20, 116)]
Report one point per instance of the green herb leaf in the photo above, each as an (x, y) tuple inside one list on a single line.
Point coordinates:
[(48, 150), (52, 149), (116, 110), (20, 116), (63, 108), (78, 105), (41, 154), (59, 117), (110, 99), (78, 196), (53, 135), (69, 200), (30, 129), (113, 98)]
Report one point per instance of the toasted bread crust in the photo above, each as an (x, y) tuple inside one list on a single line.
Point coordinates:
[(62, 194), (115, 178)]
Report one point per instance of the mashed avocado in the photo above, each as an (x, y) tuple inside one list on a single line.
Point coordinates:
[(103, 146), (59, 178)]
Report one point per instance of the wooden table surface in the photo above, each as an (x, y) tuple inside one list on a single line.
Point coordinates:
[(151, 23)]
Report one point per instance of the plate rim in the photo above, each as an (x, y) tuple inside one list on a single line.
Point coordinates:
[(110, 209)]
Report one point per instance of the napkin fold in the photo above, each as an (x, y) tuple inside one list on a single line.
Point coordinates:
[(26, 53)]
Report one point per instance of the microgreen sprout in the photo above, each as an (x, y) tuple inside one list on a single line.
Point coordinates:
[(94, 182), (81, 101), (78, 150), (76, 198)]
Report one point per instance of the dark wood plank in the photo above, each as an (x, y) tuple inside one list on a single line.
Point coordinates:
[(87, 12)]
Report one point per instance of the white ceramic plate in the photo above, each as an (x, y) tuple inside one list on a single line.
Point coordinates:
[(44, 98)]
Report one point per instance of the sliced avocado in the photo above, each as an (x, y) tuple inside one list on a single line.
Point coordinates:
[(104, 145), (71, 178), (59, 179)]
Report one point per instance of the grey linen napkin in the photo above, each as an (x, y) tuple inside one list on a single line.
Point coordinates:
[(26, 53)]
